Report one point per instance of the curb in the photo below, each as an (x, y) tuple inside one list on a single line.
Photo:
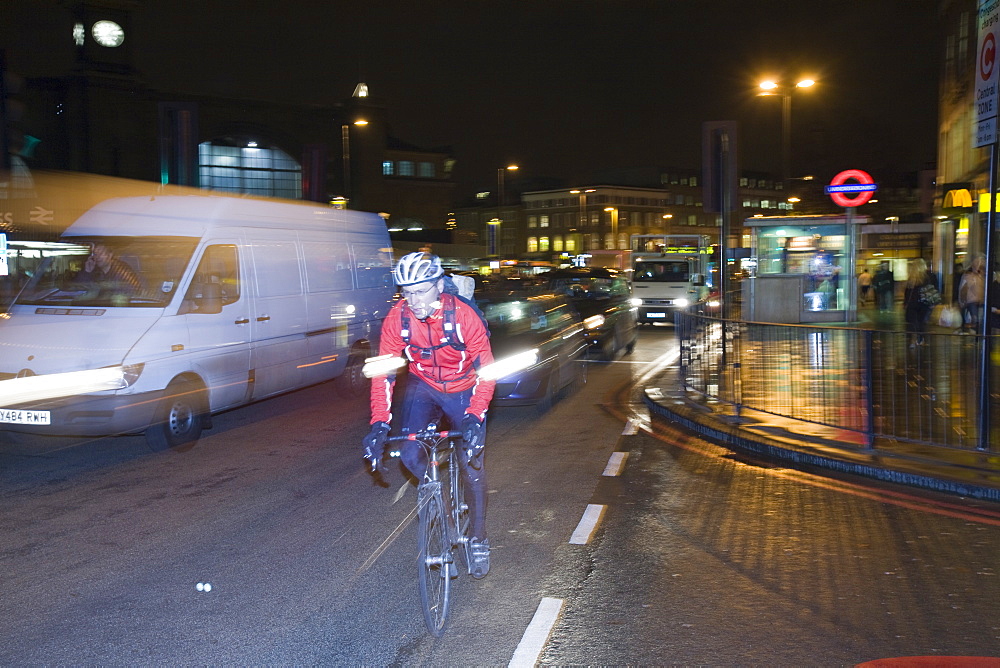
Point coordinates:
[(733, 438)]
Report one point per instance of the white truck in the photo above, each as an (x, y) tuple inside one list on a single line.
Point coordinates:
[(669, 271), (206, 303)]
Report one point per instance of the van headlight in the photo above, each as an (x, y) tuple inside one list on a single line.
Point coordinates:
[(54, 385), (635, 301), (682, 302)]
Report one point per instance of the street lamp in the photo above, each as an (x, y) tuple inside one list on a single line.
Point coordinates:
[(771, 87), (495, 223), (345, 148)]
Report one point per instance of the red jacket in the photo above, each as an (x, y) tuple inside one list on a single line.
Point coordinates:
[(446, 368)]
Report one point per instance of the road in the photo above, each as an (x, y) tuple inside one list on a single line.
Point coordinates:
[(700, 557)]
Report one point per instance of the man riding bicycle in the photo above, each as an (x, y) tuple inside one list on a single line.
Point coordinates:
[(445, 342)]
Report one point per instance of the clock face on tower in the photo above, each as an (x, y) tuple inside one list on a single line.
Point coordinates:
[(108, 33)]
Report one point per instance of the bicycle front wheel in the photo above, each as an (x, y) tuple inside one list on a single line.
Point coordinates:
[(459, 510), (434, 564)]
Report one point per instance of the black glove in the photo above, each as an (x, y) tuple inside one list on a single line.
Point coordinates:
[(473, 433), (374, 444)]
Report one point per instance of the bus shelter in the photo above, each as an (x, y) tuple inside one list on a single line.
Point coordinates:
[(801, 269)]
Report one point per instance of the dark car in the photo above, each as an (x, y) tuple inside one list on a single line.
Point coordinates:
[(604, 299), (522, 321)]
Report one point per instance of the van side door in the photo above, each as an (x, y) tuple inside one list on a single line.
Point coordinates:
[(278, 323)]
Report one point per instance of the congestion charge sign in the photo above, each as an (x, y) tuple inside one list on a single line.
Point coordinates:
[(987, 75), (851, 194)]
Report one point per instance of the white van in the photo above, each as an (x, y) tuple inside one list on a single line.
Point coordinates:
[(158, 312)]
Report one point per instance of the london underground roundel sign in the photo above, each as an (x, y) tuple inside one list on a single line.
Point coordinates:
[(851, 194)]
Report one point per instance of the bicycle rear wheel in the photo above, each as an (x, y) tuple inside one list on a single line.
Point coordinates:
[(434, 563)]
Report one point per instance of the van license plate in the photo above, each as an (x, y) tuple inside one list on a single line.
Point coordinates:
[(14, 416), (656, 315)]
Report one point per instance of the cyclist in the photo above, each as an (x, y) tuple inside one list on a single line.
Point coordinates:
[(445, 341)]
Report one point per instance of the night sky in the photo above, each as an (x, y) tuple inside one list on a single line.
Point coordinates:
[(568, 88)]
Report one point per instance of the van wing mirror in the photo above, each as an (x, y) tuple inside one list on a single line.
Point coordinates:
[(697, 279)]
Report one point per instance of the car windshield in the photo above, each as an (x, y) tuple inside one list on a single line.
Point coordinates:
[(110, 271), (517, 324), (588, 287), (660, 270)]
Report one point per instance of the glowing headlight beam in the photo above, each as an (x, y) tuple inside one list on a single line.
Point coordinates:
[(509, 365), (53, 385), (382, 365), (594, 321)]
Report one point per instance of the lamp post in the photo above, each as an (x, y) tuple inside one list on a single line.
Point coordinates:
[(496, 222), (614, 226), (771, 87), (583, 206), (345, 149)]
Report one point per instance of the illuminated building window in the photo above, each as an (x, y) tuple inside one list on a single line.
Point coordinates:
[(532, 221), (570, 245), (532, 244), (244, 166), (425, 170), (406, 168), (388, 168), (543, 220), (543, 244), (557, 244)]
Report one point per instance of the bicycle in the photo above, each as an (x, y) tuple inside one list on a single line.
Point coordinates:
[(442, 523)]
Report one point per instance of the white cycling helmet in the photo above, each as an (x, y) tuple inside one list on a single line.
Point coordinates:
[(417, 268)]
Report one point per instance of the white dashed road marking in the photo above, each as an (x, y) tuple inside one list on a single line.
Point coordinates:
[(537, 634), (588, 524), (615, 464)]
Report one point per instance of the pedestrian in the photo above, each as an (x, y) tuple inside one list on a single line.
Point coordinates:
[(864, 286), (919, 297), (971, 293), (884, 286)]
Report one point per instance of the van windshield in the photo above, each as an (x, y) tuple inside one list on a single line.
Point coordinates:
[(660, 270), (110, 271)]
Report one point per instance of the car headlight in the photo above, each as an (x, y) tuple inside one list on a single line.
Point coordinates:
[(594, 321), (509, 365), (635, 301), (682, 302)]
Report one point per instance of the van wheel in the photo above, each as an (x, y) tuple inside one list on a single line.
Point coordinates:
[(352, 383), (180, 418)]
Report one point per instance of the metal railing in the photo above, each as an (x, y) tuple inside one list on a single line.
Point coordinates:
[(869, 384)]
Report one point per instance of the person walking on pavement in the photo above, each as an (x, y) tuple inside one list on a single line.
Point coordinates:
[(884, 285), (919, 297), (971, 293), (864, 286)]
